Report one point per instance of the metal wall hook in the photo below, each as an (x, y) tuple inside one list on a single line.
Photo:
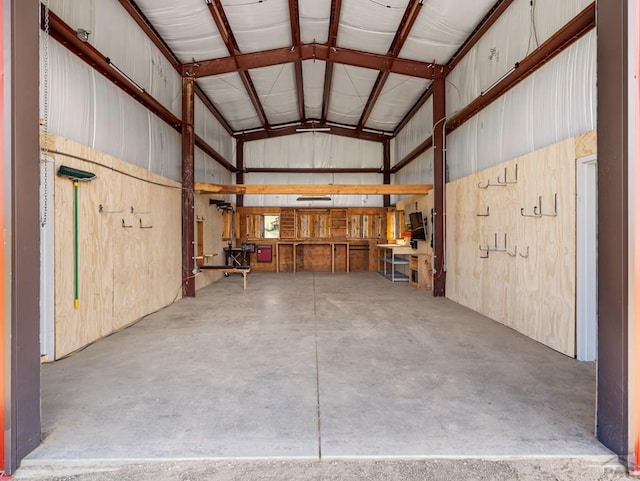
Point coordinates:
[(515, 252), (536, 209), (506, 180), (102, 211), (484, 215), (145, 226), (125, 225), (489, 184), (495, 243), (486, 256), (525, 255), (133, 211), (555, 207)]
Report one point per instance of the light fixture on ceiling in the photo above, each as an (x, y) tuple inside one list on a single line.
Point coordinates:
[(515, 66), (83, 34), (314, 129), (131, 81), (311, 198)]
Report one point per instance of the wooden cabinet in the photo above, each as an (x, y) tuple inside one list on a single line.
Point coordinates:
[(420, 272)]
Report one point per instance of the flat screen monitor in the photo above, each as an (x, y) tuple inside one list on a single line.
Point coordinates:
[(417, 226)]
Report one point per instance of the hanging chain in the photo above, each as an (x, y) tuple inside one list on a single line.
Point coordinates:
[(45, 114)]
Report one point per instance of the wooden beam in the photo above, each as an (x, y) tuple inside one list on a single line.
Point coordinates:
[(314, 189), (313, 170), (188, 177), (563, 38), (314, 51)]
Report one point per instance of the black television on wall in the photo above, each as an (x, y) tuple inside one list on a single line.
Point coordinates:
[(417, 226)]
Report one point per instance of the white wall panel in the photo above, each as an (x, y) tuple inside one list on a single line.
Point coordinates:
[(208, 127), (416, 131), (313, 149), (556, 102), (86, 107), (208, 170), (130, 50), (314, 20), (290, 200), (420, 171), (508, 41)]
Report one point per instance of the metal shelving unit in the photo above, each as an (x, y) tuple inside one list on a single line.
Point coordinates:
[(394, 267)]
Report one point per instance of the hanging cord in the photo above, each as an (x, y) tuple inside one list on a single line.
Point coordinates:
[(44, 159), (533, 31)]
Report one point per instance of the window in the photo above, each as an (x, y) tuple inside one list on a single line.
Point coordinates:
[(263, 226), (271, 227)]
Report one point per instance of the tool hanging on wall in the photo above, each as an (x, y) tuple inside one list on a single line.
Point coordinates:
[(76, 175)]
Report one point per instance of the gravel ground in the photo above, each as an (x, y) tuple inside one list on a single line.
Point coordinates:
[(365, 470)]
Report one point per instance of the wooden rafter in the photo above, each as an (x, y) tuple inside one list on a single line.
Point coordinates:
[(334, 23), (314, 189), (220, 18), (294, 20), (409, 18)]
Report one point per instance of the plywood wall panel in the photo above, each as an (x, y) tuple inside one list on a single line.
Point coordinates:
[(214, 241), (533, 294), (124, 273)]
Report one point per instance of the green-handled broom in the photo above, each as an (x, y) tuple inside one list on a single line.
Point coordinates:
[(76, 175)]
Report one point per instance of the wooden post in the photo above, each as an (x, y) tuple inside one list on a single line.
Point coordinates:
[(188, 179), (386, 169), (439, 115), (240, 173)]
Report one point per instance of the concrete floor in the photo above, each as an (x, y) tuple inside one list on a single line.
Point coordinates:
[(310, 365)]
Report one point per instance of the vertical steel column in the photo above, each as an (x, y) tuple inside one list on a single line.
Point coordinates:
[(188, 179), (21, 178), (613, 154), (386, 169), (439, 116), (240, 173)]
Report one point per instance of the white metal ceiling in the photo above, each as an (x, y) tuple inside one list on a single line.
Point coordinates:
[(189, 30)]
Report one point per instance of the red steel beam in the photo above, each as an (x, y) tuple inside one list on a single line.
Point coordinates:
[(294, 20), (414, 110), (563, 38), (214, 111), (143, 22), (220, 18), (240, 171), (414, 154), (211, 152), (334, 130), (188, 180), (409, 18), (386, 170), (314, 51), (334, 23), (439, 188), (64, 34)]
